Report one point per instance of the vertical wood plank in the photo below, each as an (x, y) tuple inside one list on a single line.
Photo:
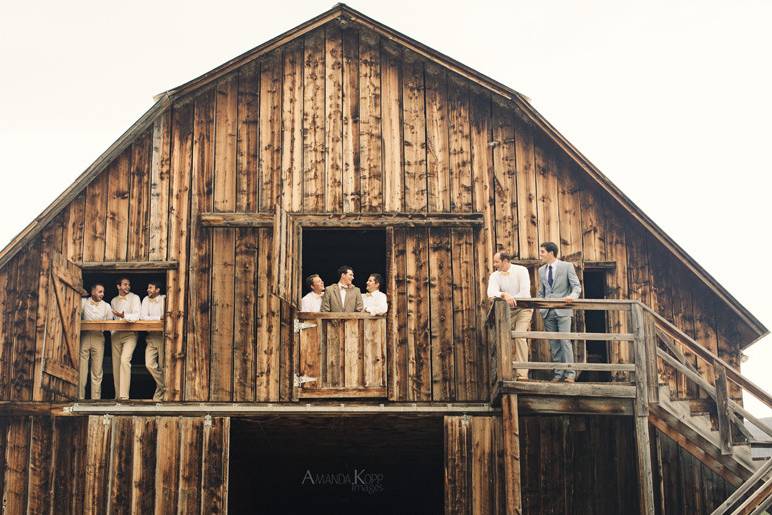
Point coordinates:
[(97, 464), (593, 237), (352, 362), (512, 471), (73, 237), (457, 470), (504, 180), (160, 192), (176, 280), (222, 313), (199, 296), (370, 122), (121, 452), (351, 144), (441, 305), (40, 460), (143, 492), (333, 87), (437, 145), (248, 138), (17, 449), (469, 361), (313, 121), (191, 446), (527, 217), (292, 129), (267, 324), (547, 193), (96, 213), (21, 358), (270, 128), (391, 85), (139, 198), (225, 144), (414, 130), (69, 462), (246, 301), (117, 226), (569, 209), (418, 344), (214, 464), (461, 192), (167, 467), (400, 358)]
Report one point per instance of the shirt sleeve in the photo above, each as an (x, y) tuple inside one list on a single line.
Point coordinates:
[(380, 306), (132, 310), (143, 310), (109, 312), (525, 284), (493, 287)]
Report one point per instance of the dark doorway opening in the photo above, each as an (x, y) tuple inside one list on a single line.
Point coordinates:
[(595, 322), (142, 383), (324, 250), (336, 465)]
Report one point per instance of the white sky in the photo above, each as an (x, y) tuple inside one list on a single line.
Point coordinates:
[(670, 99)]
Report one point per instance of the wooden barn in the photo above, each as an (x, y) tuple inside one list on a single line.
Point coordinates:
[(344, 141)]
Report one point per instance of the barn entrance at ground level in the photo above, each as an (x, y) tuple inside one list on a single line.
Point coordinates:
[(336, 465)]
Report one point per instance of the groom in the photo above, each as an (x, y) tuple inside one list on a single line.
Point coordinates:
[(343, 296), (558, 280)]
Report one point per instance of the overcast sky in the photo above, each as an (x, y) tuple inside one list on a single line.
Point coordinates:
[(670, 99)]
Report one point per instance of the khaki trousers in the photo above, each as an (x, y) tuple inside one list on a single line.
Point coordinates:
[(124, 343), (92, 344), (520, 320), (154, 358)]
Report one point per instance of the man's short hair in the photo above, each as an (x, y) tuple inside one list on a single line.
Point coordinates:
[(93, 286), (310, 279), (123, 278), (157, 284), (550, 247), (343, 269), (504, 255), (377, 278)]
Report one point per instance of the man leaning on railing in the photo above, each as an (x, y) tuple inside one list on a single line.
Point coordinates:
[(511, 282), (558, 280)]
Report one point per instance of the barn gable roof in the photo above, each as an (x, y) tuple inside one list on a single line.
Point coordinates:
[(345, 14)]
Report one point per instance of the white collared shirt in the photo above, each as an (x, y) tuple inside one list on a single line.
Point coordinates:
[(554, 266), (90, 310), (129, 304), (343, 289), (375, 303), (514, 281), (311, 302), (152, 309)]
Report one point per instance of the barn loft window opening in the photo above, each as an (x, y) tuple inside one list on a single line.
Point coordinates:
[(324, 250), (596, 322), (142, 383)]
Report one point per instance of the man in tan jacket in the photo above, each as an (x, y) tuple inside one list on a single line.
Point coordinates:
[(343, 296)]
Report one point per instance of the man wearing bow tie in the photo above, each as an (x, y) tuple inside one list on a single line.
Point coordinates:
[(511, 282), (343, 296), (558, 280)]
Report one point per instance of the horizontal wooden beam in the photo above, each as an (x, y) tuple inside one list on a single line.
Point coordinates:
[(343, 393), (338, 316), (579, 304), (545, 404), (121, 325), (107, 266), (345, 220), (610, 390), (600, 367), (549, 335)]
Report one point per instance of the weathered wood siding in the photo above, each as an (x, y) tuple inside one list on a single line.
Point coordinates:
[(114, 464), (342, 121)]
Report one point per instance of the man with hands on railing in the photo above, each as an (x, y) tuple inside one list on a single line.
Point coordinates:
[(126, 306), (374, 300), (153, 309), (92, 343), (511, 282), (558, 280)]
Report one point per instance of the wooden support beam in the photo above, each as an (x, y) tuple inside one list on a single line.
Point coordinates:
[(546, 405), (122, 325), (503, 341), (550, 335), (598, 367), (354, 220), (579, 304), (746, 487), (613, 390), (513, 497), (127, 266), (757, 502), (723, 411), (642, 441)]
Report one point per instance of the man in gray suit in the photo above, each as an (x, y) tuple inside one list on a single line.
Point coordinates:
[(558, 280), (343, 296)]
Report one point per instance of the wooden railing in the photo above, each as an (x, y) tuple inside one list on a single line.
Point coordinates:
[(121, 325)]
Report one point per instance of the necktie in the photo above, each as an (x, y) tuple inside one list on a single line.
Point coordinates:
[(549, 275)]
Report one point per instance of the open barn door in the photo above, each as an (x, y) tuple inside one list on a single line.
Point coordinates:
[(61, 345)]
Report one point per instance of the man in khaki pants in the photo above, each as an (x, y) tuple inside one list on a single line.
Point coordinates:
[(92, 343), (153, 309), (511, 282), (126, 306)]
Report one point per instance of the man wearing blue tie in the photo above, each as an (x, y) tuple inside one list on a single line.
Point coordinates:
[(558, 280)]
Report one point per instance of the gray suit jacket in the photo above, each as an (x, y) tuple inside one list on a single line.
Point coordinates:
[(565, 283), (331, 300)]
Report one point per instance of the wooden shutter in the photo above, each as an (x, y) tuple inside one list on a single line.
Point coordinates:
[(61, 346), (286, 260)]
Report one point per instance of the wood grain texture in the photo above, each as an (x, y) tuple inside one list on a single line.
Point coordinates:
[(333, 102), (370, 143), (414, 131), (391, 89), (313, 121), (248, 138)]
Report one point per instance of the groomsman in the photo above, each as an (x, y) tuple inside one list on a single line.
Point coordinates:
[(374, 300), (511, 282), (558, 280), (343, 296), (153, 309), (126, 306), (92, 343), (312, 301)]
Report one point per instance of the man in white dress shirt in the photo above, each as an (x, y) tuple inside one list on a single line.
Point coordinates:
[(92, 343), (511, 282), (312, 301), (153, 309), (374, 300), (126, 306)]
